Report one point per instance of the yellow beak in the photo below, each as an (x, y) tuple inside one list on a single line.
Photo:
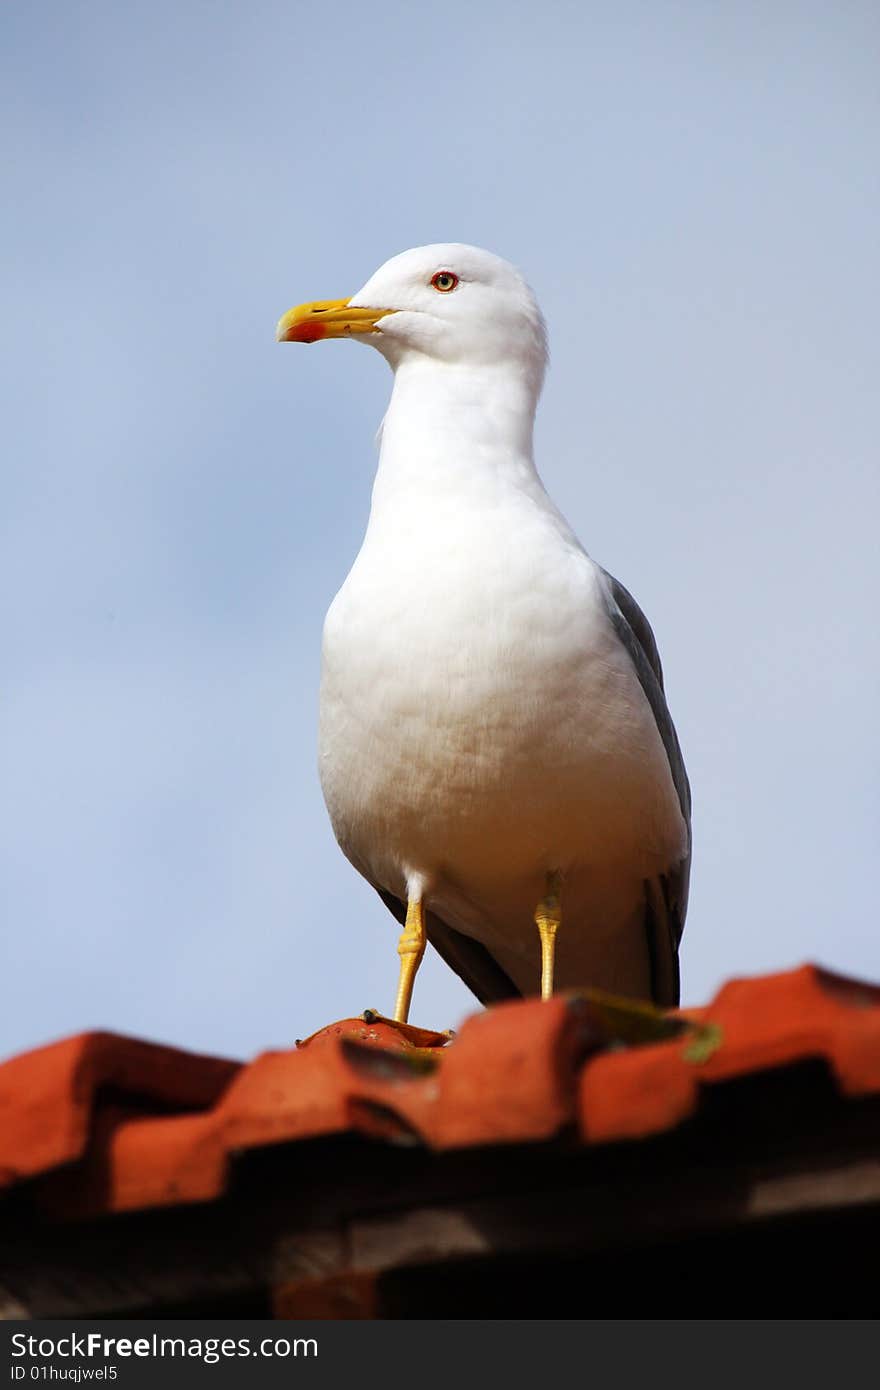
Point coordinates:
[(326, 318)]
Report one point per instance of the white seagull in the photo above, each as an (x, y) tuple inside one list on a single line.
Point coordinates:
[(496, 752)]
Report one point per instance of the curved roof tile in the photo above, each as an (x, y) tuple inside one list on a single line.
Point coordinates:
[(102, 1123)]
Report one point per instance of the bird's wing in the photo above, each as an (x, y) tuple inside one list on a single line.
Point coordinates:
[(665, 896), (469, 959)]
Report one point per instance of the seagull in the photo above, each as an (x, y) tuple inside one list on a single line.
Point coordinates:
[(495, 748)]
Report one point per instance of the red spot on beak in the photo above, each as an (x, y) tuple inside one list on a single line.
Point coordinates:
[(309, 331)]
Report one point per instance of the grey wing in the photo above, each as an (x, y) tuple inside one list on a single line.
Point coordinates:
[(666, 896)]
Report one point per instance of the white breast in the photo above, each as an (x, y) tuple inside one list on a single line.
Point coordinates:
[(480, 721)]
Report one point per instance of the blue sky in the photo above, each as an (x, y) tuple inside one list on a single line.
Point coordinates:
[(694, 193)]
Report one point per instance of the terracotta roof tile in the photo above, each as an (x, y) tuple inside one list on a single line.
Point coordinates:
[(113, 1124), (759, 1024), (511, 1075), (49, 1096)]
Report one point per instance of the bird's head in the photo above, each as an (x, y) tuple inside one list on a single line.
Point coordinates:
[(449, 302)]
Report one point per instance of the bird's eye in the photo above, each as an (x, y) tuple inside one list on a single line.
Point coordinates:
[(444, 281)]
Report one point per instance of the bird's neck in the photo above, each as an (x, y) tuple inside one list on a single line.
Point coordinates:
[(456, 431)]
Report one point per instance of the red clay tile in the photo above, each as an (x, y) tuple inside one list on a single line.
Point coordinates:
[(374, 1029), (284, 1096), (48, 1096), (762, 1023), (350, 1296), (138, 1163), (518, 1073), (511, 1074), (281, 1097)]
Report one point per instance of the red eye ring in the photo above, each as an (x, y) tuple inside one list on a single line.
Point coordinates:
[(444, 281)]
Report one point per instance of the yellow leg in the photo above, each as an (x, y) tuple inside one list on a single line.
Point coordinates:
[(410, 948), (548, 915)]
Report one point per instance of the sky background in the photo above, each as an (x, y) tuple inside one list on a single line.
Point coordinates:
[(693, 190)]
